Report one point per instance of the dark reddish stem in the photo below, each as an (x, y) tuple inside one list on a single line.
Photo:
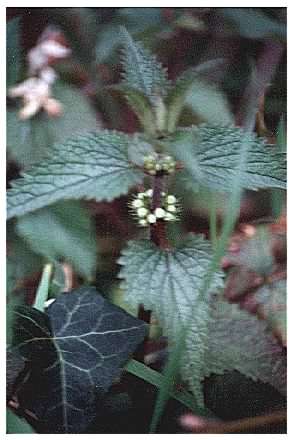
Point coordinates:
[(158, 233)]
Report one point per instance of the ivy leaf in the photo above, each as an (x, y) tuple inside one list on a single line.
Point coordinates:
[(64, 230), (76, 350), (141, 69), (180, 90), (168, 283), (239, 341), (29, 141), (211, 157), (90, 166)]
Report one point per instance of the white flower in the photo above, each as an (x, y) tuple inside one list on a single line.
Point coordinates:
[(151, 218), (142, 212), (137, 203), (171, 200), (160, 213), (142, 222), (36, 94), (149, 193), (171, 208), (169, 217), (39, 56)]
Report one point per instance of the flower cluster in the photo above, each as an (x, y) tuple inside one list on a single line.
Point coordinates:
[(36, 90), (141, 206), (155, 163)]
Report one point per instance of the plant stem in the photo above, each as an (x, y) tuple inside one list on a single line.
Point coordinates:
[(246, 424), (158, 233)]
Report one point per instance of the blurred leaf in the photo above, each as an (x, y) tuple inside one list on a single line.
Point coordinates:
[(168, 283), (109, 39), (209, 103), (77, 350), (13, 51), (239, 341), (271, 300), (141, 69), (64, 230), (252, 23), (256, 252), (16, 424), (29, 141), (22, 262), (138, 20), (88, 166), (211, 157), (183, 87)]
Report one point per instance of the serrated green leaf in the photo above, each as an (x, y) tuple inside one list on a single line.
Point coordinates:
[(239, 341), (141, 69), (13, 51), (211, 157), (168, 283), (16, 424), (29, 141), (180, 90), (89, 166), (64, 230), (76, 350)]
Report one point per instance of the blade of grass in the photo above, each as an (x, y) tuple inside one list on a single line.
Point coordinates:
[(43, 288), (155, 378), (172, 366)]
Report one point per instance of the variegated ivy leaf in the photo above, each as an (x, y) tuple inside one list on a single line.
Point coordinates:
[(168, 283), (74, 351), (211, 156), (141, 70), (95, 166)]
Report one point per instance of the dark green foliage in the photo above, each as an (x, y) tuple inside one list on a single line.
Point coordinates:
[(76, 349), (89, 166)]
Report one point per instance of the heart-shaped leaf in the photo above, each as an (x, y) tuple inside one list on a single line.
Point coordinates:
[(75, 350), (168, 283)]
